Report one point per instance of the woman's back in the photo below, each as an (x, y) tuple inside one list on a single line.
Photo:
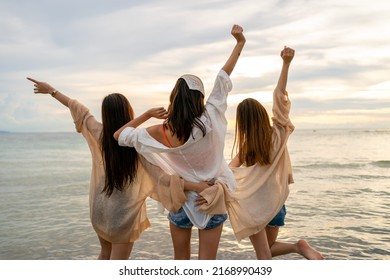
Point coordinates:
[(201, 156)]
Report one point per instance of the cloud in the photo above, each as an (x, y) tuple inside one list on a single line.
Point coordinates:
[(88, 50)]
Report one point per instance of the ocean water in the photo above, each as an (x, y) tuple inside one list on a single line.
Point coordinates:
[(339, 203)]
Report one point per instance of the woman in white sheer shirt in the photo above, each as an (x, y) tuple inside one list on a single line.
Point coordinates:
[(190, 143)]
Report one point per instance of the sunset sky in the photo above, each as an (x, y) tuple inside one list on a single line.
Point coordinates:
[(339, 78)]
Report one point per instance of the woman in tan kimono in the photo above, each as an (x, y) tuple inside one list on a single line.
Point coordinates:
[(121, 179), (262, 169)]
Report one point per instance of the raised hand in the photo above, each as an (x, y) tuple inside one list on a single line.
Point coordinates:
[(158, 113), (237, 32), (41, 87), (287, 54)]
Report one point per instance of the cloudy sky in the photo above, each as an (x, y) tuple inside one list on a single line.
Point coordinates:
[(87, 49)]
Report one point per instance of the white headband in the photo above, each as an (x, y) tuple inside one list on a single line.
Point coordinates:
[(194, 82)]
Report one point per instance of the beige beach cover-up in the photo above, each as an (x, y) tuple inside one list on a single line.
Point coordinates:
[(122, 217), (261, 190)]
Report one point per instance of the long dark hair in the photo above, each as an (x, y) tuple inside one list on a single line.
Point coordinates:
[(184, 110), (253, 133), (120, 163)]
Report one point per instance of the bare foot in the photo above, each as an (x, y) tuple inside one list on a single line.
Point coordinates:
[(308, 252)]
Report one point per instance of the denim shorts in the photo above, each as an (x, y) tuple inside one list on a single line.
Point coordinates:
[(278, 220), (181, 220)]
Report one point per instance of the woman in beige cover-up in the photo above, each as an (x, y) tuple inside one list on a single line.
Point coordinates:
[(121, 180), (263, 180)]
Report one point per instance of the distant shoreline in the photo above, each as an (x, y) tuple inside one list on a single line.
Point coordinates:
[(321, 129)]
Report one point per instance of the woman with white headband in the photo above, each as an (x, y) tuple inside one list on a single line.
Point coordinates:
[(190, 143)]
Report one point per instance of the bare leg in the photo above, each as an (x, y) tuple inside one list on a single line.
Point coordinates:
[(278, 248), (105, 249), (121, 251), (181, 239), (260, 244), (209, 242), (281, 248)]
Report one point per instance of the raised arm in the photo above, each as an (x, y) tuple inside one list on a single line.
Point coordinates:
[(237, 33), (158, 113), (45, 88), (287, 55)]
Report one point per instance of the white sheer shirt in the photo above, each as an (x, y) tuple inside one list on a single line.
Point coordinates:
[(200, 158)]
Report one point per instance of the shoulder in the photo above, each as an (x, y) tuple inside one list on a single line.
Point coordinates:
[(154, 130)]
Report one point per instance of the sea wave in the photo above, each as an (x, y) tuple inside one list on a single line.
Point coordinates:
[(381, 163), (331, 165), (351, 165), (370, 131)]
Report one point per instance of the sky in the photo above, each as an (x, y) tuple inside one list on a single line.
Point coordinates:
[(87, 49)]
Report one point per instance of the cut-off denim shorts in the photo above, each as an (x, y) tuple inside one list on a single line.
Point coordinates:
[(278, 220), (181, 220)]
